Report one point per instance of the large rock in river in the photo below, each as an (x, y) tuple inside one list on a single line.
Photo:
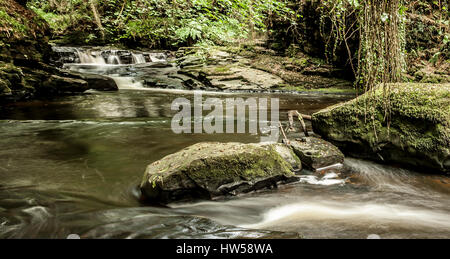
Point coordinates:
[(209, 170), (414, 131)]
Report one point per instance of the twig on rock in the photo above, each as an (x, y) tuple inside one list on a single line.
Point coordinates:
[(301, 118), (285, 139)]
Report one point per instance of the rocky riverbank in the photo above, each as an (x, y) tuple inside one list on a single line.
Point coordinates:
[(250, 68), (255, 67), (245, 68), (26, 73)]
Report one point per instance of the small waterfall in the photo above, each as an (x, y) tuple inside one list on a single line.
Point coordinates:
[(114, 63), (138, 58), (88, 57), (97, 56), (114, 59)]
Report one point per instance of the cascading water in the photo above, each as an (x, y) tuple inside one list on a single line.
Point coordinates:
[(88, 57), (113, 58), (370, 199), (117, 64), (82, 55), (138, 58)]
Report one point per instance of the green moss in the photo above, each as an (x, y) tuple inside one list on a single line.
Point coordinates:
[(418, 120), (301, 62), (222, 69), (331, 90), (293, 50), (256, 163), (220, 162), (276, 46)]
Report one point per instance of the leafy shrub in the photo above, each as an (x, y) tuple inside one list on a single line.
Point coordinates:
[(162, 22)]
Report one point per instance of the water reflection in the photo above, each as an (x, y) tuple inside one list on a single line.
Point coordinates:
[(143, 104)]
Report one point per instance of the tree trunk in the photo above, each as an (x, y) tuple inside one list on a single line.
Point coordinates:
[(98, 21)]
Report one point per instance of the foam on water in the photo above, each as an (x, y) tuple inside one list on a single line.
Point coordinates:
[(328, 179), (38, 213), (353, 213), (128, 83)]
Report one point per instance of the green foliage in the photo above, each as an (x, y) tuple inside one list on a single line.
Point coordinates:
[(380, 29), (446, 39), (59, 23), (10, 25), (163, 23)]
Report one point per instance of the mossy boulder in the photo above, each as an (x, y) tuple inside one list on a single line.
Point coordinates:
[(407, 125), (210, 170)]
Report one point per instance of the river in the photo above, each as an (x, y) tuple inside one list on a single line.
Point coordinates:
[(71, 165)]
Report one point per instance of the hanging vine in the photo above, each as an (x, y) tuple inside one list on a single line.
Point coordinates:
[(380, 26), (382, 43), (381, 51), (339, 23)]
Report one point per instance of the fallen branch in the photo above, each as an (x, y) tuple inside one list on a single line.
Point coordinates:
[(306, 117), (301, 118)]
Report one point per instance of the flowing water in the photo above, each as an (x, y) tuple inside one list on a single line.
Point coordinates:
[(138, 58), (71, 165)]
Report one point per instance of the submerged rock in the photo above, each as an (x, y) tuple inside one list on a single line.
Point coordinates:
[(417, 133), (317, 153), (210, 170)]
